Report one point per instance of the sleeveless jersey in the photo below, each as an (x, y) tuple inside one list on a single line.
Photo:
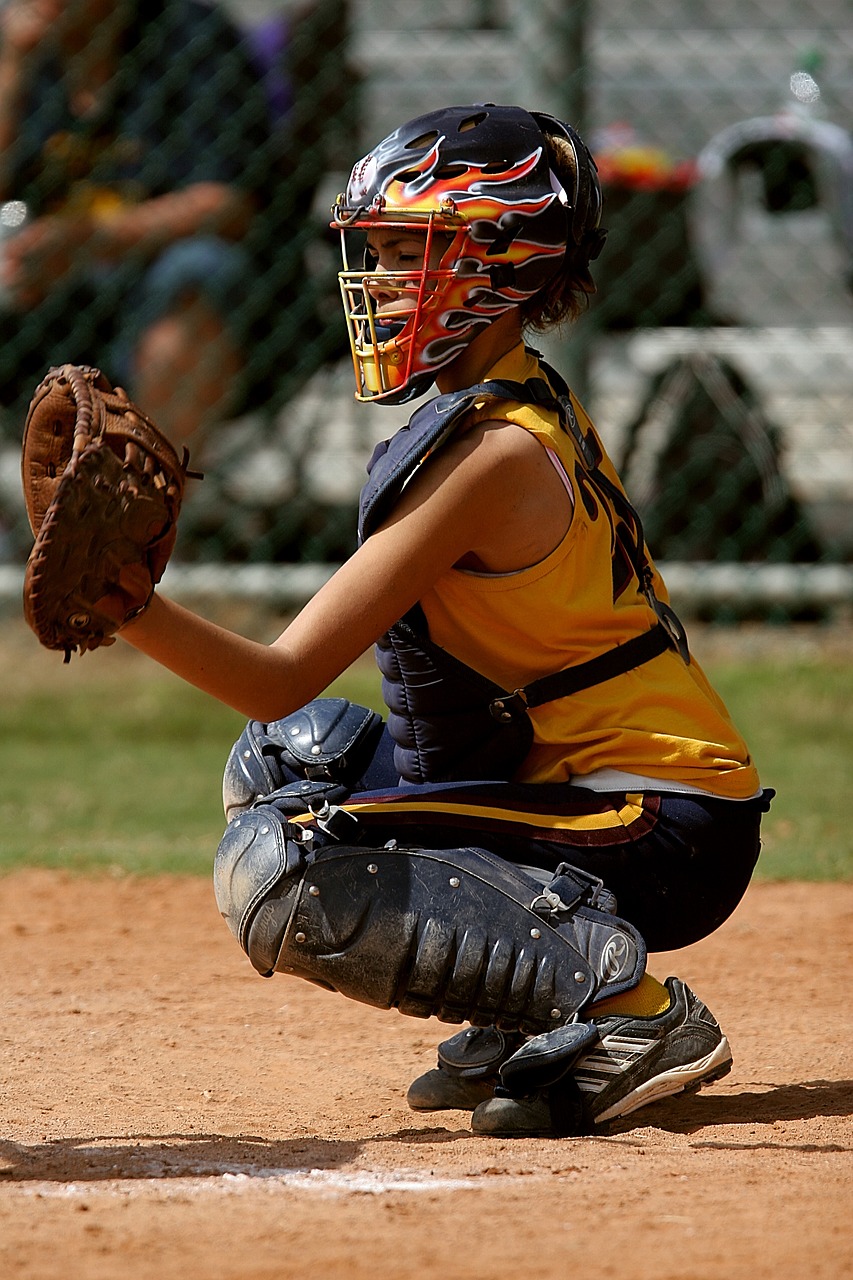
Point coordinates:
[(660, 723)]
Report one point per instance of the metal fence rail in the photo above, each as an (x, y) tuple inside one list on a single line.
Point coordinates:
[(706, 590)]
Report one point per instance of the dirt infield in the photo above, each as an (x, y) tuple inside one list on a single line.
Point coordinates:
[(166, 1113)]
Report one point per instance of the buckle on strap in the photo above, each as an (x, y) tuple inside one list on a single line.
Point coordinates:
[(668, 619), (572, 887), (584, 447), (338, 823), (509, 706)]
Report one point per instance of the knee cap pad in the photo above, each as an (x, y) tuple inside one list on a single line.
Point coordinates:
[(257, 860), (329, 740)]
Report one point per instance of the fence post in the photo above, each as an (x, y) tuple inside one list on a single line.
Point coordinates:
[(551, 36)]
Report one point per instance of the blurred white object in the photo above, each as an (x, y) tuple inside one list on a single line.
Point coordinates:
[(13, 216), (771, 219)]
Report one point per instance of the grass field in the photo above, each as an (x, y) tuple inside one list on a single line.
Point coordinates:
[(111, 764)]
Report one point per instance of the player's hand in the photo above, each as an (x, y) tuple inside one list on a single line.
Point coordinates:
[(37, 258), (26, 24)]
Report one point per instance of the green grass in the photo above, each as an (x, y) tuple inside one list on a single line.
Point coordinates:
[(123, 773), (122, 777), (797, 717), (129, 783)]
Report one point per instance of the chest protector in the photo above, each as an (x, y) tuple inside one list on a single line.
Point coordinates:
[(448, 721)]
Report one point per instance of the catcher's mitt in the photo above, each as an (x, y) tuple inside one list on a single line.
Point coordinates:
[(103, 489)]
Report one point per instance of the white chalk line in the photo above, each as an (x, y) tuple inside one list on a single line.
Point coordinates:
[(329, 1182)]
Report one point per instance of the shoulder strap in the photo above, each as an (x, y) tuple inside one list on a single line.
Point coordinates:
[(635, 549), (429, 427)]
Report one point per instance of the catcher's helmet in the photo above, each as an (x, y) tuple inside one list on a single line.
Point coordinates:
[(479, 177)]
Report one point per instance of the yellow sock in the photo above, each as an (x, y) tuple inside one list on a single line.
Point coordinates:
[(648, 998)]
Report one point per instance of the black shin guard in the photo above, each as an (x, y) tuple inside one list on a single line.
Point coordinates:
[(457, 934)]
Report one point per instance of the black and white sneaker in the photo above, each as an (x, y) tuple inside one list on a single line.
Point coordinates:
[(467, 1071), (636, 1061), (438, 1090)]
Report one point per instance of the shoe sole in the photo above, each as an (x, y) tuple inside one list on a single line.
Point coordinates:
[(683, 1079), (515, 1133), (425, 1108)]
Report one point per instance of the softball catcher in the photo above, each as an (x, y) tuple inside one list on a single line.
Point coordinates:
[(556, 789)]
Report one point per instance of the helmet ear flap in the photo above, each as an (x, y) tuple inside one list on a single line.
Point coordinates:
[(585, 198), (585, 239)]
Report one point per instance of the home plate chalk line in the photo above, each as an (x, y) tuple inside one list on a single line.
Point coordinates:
[(332, 1182)]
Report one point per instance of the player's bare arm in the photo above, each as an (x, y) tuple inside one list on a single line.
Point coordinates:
[(472, 507)]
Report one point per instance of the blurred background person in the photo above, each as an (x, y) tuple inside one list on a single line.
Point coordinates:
[(134, 160)]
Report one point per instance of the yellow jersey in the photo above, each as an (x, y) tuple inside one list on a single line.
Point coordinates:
[(660, 725)]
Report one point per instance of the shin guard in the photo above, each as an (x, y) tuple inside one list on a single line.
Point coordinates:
[(456, 934)]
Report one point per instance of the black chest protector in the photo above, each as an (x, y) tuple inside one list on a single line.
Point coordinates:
[(447, 720)]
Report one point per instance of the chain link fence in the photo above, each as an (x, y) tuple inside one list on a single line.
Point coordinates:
[(170, 180)]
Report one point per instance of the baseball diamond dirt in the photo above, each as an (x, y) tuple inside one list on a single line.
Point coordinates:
[(165, 1112)]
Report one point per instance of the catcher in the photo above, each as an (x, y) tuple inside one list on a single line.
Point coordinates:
[(556, 789)]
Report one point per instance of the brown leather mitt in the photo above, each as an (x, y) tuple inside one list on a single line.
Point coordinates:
[(103, 489)]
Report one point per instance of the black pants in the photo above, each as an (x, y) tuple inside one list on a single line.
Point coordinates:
[(684, 879), (677, 864)]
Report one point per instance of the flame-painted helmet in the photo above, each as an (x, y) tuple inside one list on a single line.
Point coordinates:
[(479, 178)]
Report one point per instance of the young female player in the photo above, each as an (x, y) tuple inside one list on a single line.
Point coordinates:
[(556, 788)]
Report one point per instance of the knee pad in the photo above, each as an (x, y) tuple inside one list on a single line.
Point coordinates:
[(260, 862), (328, 740), (455, 934)]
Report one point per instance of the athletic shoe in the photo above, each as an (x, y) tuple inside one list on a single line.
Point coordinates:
[(636, 1061), (467, 1070), (438, 1090)]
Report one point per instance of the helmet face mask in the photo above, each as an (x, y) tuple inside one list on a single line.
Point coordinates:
[(385, 341), (475, 180)]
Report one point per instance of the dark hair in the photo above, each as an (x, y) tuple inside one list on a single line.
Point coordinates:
[(566, 295)]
